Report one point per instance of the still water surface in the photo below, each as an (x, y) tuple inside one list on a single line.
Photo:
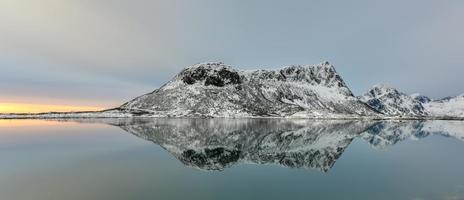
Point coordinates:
[(230, 159)]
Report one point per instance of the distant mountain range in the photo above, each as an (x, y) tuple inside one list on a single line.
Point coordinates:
[(297, 91), (393, 103)]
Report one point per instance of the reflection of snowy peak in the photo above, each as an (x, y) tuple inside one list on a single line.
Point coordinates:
[(387, 133), (391, 102), (218, 90), (216, 144), (453, 129)]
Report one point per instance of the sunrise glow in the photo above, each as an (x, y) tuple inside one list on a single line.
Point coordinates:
[(39, 108)]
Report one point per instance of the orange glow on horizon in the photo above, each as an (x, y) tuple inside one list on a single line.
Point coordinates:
[(39, 108)]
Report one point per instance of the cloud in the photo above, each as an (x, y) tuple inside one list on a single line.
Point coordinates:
[(50, 45)]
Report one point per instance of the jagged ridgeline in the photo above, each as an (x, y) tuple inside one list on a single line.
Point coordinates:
[(393, 103), (219, 90), (296, 91)]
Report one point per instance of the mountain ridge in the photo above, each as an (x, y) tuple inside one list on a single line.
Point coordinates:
[(215, 89), (219, 90)]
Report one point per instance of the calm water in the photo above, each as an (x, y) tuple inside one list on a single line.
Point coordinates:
[(231, 159)]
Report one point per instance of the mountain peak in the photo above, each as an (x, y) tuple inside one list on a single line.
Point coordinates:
[(220, 74), (215, 89), (326, 64), (211, 73), (421, 98), (381, 90), (319, 74), (210, 65), (391, 102)]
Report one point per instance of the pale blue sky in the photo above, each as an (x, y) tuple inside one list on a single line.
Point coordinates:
[(106, 52)]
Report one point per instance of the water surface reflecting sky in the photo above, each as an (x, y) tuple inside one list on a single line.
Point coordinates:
[(231, 159)]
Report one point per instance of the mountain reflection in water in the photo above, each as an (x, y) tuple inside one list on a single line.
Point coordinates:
[(215, 144)]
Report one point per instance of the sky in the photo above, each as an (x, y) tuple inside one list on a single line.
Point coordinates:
[(87, 54)]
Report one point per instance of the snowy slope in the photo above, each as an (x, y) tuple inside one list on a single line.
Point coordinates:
[(391, 102), (448, 107), (215, 144), (218, 90)]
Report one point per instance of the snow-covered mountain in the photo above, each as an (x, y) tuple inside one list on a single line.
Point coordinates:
[(296, 91), (447, 107), (421, 98), (219, 90), (391, 102)]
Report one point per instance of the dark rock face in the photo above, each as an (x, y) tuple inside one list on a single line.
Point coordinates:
[(190, 77), (422, 99), (220, 156), (231, 77), (324, 74), (376, 104), (211, 74), (214, 80)]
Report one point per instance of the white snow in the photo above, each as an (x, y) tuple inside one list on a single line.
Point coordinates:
[(453, 107), (392, 102)]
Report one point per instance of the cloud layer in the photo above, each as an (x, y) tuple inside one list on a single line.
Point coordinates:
[(110, 51)]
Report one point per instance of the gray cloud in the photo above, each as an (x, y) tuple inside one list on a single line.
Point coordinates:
[(413, 45)]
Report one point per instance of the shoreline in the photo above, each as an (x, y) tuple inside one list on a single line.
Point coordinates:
[(109, 114)]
